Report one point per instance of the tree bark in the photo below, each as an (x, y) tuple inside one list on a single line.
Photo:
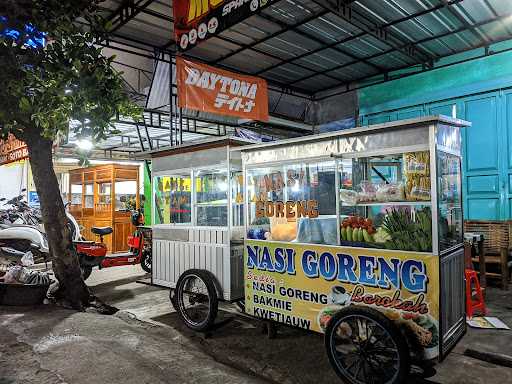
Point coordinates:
[(72, 289)]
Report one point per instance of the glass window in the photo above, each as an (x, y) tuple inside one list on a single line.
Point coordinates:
[(294, 202), (173, 199), (212, 198), (104, 193), (76, 194), (385, 202), (450, 201), (126, 195), (89, 196), (237, 198)]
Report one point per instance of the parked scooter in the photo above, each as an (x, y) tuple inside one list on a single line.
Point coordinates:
[(17, 239), (17, 211), (94, 254)]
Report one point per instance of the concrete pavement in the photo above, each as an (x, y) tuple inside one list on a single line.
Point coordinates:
[(146, 343)]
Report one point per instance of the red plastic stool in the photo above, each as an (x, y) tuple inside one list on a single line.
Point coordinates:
[(478, 304)]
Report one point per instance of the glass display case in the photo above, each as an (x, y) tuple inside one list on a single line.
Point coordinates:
[(125, 195), (89, 195), (293, 201), (198, 213), (173, 197), (103, 196), (381, 191), (76, 194), (385, 201)]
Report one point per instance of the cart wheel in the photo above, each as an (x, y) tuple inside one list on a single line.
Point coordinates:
[(145, 262), (364, 346), (196, 299), (172, 299), (86, 272)]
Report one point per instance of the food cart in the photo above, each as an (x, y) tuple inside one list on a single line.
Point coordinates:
[(197, 217), (358, 235)]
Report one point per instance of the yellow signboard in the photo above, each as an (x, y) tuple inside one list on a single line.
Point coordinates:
[(304, 285)]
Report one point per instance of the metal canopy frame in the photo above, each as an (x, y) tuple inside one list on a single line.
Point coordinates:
[(332, 43)]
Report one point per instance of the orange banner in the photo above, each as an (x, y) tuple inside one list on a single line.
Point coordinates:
[(12, 150), (205, 88)]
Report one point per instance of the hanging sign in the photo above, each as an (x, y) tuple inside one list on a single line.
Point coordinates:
[(198, 20), (12, 150), (208, 89)]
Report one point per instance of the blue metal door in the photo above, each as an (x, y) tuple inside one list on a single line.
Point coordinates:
[(482, 159)]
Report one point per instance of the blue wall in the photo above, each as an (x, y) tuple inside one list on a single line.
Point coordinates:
[(479, 91)]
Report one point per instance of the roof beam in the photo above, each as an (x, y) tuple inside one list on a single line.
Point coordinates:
[(345, 11), (361, 34), (126, 12), (504, 17), (284, 28), (480, 36)]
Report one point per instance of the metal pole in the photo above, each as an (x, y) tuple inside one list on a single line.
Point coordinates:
[(181, 126), (171, 106)]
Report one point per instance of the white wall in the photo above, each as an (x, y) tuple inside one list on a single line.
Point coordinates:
[(13, 178)]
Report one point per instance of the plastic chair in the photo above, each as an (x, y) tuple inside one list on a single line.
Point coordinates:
[(478, 304)]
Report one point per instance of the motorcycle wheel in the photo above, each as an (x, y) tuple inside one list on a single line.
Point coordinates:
[(86, 272), (145, 262)]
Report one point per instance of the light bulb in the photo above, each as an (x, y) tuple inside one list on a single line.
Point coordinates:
[(84, 144)]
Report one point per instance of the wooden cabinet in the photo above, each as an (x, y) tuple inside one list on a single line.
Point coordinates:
[(103, 196)]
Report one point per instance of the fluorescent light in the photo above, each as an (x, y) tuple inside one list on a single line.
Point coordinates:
[(84, 144), (223, 186)]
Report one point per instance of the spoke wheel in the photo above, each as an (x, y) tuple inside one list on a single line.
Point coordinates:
[(365, 347), (145, 262), (195, 299)]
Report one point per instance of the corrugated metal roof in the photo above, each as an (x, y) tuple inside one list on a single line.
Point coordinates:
[(310, 46), (290, 38)]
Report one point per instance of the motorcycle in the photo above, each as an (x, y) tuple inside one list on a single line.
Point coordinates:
[(21, 231), (94, 254), (17, 239)]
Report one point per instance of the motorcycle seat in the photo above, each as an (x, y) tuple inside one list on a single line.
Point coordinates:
[(102, 231)]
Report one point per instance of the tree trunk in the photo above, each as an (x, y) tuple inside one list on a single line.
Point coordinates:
[(72, 289)]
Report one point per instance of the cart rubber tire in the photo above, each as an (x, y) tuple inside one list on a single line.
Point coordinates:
[(172, 298), (207, 279), (86, 272), (388, 325), (146, 262)]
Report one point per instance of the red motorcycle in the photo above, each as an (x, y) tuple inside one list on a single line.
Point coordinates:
[(93, 254)]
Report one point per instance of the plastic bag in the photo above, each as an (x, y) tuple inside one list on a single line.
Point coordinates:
[(390, 192), (28, 259), (368, 192), (12, 275), (348, 196), (22, 275)]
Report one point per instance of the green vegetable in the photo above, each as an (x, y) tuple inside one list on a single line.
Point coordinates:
[(408, 231), (366, 236), (360, 235), (343, 233), (349, 233), (381, 236)]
